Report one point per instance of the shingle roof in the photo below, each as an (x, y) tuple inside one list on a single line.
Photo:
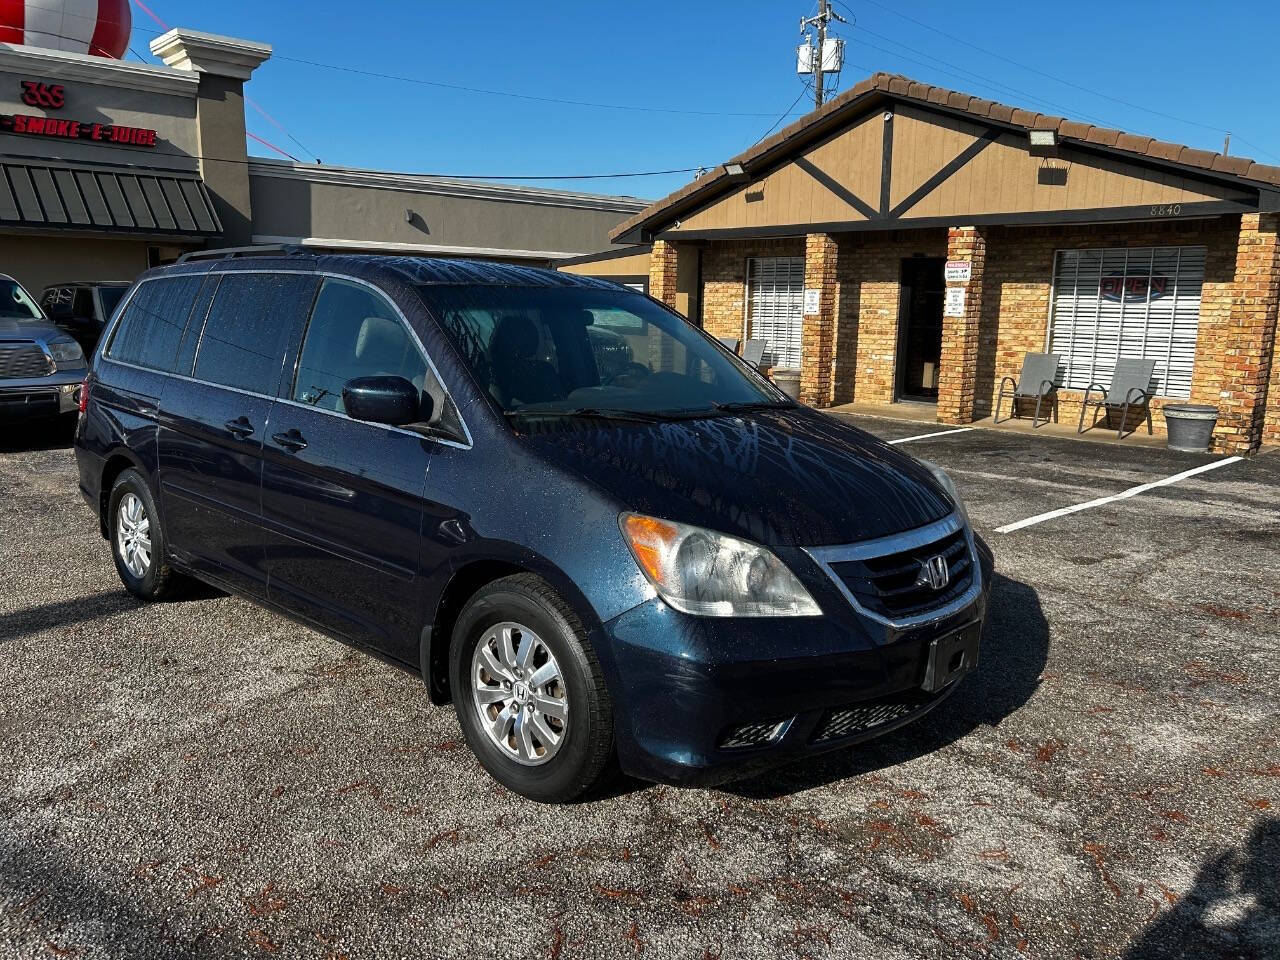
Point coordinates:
[(904, 88)]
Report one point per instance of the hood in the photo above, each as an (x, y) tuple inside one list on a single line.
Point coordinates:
[(13, 329), (789, 477)]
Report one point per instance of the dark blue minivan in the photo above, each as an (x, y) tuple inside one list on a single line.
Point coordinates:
[(600, 534)]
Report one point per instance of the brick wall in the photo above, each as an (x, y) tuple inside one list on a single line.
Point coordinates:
[(958, 369), (663, 267), (1250, 335), (1271, 421), (1014, 308), (821, 263), (1017, 285), (724, 280), (870, 276)]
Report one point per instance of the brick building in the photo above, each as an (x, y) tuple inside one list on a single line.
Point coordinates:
[(907, 243)]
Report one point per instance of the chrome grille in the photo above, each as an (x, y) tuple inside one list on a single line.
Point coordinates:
[(891, 585), (20, 359)]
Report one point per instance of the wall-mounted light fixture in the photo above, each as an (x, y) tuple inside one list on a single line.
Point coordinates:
[(734, 170), (1043, 143)]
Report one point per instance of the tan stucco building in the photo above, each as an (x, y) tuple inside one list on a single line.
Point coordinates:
[(107, 167), (910, 244)]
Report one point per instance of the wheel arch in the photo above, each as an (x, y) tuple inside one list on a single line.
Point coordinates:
[(468, 577), (114, 464)]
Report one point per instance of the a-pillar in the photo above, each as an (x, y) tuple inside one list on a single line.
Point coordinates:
[(961, 317), (1250, 335)]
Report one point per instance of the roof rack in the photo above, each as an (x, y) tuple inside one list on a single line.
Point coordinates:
[(257, 250)]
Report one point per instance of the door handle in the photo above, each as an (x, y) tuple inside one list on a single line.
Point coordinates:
[(291, 440), (239, 428)]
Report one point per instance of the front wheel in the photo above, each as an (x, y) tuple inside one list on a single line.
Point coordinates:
[(528, 691)]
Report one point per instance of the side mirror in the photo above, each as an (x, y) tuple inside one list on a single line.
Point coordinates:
[(390, 400)]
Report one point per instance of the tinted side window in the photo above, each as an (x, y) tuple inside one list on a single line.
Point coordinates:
[(249, 323), (354, 332), (110, 297), (151, 326)]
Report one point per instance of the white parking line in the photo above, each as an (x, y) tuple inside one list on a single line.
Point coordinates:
[(926, 436), (1131, 492)]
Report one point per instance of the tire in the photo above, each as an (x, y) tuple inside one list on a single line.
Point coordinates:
[(556, 764), (154, 579)]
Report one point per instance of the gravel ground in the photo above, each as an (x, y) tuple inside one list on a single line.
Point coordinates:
[(204, 779)]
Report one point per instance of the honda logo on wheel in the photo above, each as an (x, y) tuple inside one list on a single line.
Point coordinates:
[(934, 573)]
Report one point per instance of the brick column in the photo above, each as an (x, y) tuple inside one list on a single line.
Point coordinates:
[(958, 370), (1250, 335), (663, 263), (818, 332)]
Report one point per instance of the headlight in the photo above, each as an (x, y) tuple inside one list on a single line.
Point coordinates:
[(65, 350), (713, 575), (949, 486)]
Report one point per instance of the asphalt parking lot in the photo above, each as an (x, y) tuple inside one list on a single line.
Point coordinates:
[(203, 779)]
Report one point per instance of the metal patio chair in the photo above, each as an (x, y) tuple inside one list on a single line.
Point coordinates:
[(1034, 383), (1130, 388), (753, 351), (730, 343)]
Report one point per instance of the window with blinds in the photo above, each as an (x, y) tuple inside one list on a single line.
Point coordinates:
[(775, 306), (1131, 302)]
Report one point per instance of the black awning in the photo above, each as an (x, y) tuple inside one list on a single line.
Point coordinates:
[(103, 198)]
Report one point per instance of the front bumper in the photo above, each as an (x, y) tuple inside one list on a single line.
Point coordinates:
[(36, 397), (684, 686)]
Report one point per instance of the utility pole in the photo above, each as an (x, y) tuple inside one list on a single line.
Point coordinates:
[(818, 24)]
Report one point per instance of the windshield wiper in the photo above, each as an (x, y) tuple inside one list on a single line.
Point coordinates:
[(741, 406), (594, 413)]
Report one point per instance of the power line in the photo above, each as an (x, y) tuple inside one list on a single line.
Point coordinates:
[(808, 85), (1036, 70), (969, 76), (628, 174), (247, 99), (517, 96)]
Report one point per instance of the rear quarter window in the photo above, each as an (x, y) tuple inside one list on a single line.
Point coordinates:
[(152, 324)]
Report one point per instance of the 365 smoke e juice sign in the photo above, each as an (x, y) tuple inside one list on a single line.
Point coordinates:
[(52, 96)]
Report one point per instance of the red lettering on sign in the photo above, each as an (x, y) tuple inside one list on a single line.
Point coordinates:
[(38, 94)]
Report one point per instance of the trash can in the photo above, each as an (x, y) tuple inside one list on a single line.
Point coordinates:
[(787, 379), (1190, 426)]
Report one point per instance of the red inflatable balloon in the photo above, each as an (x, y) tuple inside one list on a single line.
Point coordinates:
[(97, 27)]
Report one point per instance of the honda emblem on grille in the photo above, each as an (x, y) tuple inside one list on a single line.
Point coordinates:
[(934, 573)]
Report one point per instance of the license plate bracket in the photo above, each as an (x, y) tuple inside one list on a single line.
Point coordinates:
[(951, 656)]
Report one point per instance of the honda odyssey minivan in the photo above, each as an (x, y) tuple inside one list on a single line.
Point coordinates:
[(598, 533)]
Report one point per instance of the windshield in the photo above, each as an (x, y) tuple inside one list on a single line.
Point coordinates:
[(16, 303), (575, 351), (110, 299)]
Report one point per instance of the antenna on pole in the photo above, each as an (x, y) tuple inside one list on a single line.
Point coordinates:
[(819, 54)]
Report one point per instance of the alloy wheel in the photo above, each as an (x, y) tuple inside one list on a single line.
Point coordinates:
[(133, 535), (519, 693)]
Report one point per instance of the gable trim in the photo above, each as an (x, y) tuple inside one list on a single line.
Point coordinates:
[(952, 167), (837, 188)]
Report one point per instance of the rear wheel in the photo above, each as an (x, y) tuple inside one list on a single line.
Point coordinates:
[(137, 539), (528, 691)]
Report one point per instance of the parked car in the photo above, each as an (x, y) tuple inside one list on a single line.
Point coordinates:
[(40, 366), (672, 564), (83, 309)]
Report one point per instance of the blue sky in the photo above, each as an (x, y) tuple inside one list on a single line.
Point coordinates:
[(1199, 69)]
